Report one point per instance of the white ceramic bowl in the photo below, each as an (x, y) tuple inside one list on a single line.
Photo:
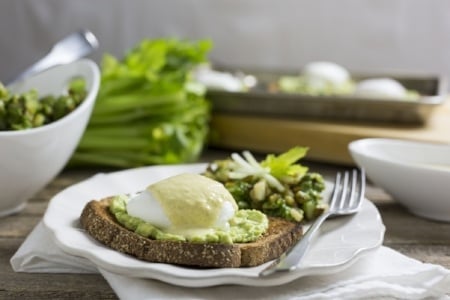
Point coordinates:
[(30, 159), (416, 174)]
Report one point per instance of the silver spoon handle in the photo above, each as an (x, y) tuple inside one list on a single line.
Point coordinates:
[(44, 63), (67, 50)]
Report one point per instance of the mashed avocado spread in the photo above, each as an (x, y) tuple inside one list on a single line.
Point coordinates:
[(246, 226)]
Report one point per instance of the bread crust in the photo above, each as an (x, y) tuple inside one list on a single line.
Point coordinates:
[(102, 225)]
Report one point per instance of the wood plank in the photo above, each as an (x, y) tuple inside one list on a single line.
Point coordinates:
[(327, 140), (18, 225), (402, 227), (44, 285)]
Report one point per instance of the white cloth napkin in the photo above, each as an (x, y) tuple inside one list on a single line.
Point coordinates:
[(383, 274)]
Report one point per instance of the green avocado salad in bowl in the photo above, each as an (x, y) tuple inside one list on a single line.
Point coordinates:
[(278, 185)]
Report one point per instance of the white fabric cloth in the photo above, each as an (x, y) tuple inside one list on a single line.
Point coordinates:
[(383, 274)]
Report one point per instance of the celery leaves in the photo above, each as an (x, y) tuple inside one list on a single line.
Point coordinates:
[(284, 165), (147, 111)]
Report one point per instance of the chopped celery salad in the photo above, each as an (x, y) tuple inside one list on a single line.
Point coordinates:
[(277, 185)]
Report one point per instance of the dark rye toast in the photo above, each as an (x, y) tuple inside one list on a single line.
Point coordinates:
[(102, 225)]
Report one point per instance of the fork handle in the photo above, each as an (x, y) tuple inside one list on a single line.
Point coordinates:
[(289, 261)]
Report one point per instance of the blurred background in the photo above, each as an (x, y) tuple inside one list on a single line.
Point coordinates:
[(361, 35)]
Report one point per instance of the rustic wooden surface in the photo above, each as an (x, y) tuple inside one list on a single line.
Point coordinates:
[(425, 240), (328, 140)]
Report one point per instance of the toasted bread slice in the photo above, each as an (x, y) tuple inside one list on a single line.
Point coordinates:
[(102, 225)]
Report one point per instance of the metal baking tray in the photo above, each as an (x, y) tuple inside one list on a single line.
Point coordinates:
[(261, 101)]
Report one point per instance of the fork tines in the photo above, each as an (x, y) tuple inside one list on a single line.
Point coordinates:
[(349, 190)]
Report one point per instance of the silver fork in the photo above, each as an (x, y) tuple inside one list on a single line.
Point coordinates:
[(346, 198)]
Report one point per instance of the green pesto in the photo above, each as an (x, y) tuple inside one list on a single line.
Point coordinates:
[(246, 226), (29, 110)]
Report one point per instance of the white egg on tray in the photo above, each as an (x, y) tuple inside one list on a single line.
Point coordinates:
[(321, 73), (381, 88)]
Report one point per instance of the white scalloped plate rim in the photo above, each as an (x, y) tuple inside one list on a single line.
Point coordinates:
[(340, 243)]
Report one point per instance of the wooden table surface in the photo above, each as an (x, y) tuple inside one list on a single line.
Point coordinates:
[(425, 240)]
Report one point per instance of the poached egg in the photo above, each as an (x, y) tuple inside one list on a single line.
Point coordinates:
[(185, 204)]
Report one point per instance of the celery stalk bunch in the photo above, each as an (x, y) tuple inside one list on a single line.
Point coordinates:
[(148, 110)]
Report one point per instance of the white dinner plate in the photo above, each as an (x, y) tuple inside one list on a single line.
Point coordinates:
[(341, 241)]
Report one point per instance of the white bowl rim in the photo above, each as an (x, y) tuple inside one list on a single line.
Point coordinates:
[(356, 145), (437, 206), (90, 97)]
